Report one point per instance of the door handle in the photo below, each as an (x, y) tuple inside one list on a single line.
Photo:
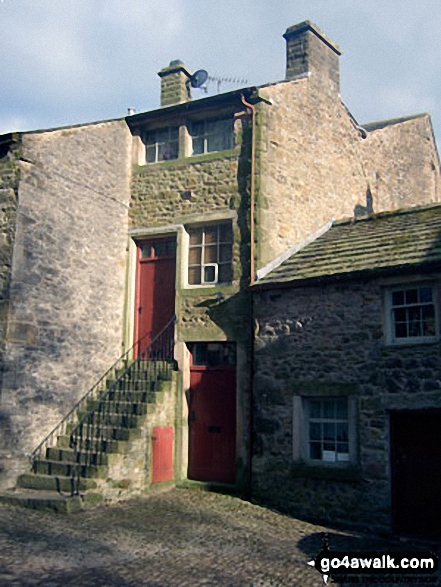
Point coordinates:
[(192, 416), (140, 310)]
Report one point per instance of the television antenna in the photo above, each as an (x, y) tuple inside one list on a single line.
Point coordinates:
[(229, 79)]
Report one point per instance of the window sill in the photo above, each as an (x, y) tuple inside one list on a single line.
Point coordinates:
[(411, 343), (189, 159), (326, 471)]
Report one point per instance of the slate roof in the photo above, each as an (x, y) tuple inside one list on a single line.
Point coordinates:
[(401, 240)]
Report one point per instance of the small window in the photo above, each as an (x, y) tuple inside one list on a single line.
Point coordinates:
[(159, 248), (412, 314), (210, 254), (327, 429), (161, 144), (213, 354), (212, 135)]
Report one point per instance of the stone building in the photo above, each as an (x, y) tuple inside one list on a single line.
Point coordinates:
[(347, 380), (117, 230)]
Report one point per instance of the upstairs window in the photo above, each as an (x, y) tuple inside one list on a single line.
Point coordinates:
[(412, 314), (161, 144), (212, 135), (210, 254)]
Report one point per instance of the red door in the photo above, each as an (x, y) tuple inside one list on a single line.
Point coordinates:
[(155, 300), (162, 458), (212, 414)]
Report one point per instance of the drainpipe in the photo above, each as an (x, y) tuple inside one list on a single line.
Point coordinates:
[(249, 487), (252, 186)]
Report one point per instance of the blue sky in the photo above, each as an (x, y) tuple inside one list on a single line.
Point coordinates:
[(69, 61)]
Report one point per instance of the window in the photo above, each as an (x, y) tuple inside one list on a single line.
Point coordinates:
[(159, 248), (327, 429), (210, 254), (213, 354), (412, 315), (161, 144), (212, 135)]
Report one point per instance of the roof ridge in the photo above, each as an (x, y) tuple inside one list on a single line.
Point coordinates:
[(387, 214)]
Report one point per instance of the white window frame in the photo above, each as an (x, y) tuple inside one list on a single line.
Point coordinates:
[(202, 265), (390, 324), (301, 440)]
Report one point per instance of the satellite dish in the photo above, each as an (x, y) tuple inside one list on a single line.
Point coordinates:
[(199, 78)]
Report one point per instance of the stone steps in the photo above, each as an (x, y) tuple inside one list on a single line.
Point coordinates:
[(42, 500), (114, 423), (53, 483)]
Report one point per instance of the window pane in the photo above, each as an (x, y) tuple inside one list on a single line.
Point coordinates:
[(225, 253), (194, 275), (194, 256), (411, 296), (342, 432), (425, 294), (225, 233), (225, 274), (195, 236), (315, 431), (167, 151), (146, 251), (414, 317), (329, 431), (341, 409), (398, 298), (198, 146), (209, 274), (210, 254), (314, 408), (429, 321), (400, 330), (150, 138), (197, 129), (216, 143), (150, 154), (315, 451), (210, 235), (328, 408)]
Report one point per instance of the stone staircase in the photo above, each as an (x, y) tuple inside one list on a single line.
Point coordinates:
[(94, 453)]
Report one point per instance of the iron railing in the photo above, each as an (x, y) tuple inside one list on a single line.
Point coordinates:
[(117, 372), (118, 409)]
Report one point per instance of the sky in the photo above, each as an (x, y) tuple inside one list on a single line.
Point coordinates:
[(65, 62)]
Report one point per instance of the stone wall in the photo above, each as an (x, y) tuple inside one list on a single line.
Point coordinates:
[(9, 179), (159, 190), (402, 165), (68, 278), (316, 164), (329, 340), (310, 169)]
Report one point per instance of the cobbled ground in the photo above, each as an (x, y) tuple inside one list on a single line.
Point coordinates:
[(181, 538)]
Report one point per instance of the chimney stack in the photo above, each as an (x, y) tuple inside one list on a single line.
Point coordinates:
[(174, 87), (309, 51)]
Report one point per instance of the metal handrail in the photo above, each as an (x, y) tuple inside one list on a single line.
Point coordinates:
[(95, 391), (122, 400)]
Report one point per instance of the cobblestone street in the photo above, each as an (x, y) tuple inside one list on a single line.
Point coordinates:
[(185, 538)]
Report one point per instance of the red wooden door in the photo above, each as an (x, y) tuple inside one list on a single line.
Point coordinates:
[(162, 457), (155, 300), (212, 424)]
